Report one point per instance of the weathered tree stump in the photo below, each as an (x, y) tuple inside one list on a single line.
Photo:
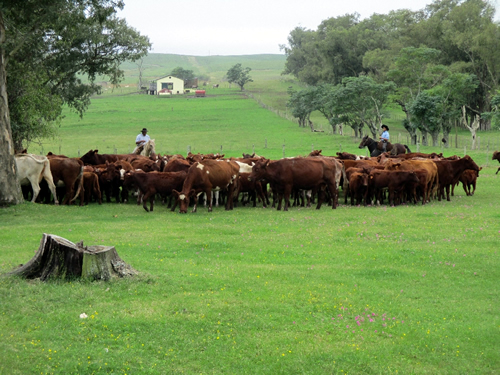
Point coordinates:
[(58, 258)]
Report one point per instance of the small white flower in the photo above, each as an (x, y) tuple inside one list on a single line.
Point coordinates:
[(83, 316)]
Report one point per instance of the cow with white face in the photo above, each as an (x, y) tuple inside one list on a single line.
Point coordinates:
[(207, 176), (31, 169)]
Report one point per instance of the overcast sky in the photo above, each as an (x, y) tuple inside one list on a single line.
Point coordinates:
[(236, 27)]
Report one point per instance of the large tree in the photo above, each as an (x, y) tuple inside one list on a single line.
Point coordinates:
[(51, 53), (239, 75), (184, 74)]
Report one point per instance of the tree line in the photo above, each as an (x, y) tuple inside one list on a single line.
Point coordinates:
[(440, 65)]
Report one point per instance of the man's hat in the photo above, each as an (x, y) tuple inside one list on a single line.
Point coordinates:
[(385, 126), (144, 130)]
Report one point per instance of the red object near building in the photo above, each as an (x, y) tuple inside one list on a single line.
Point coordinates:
[(200, 93)]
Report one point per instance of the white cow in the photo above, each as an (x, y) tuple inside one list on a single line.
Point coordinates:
[(31, 169)]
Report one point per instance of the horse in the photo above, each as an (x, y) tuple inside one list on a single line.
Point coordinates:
[(377, 148), (147, 149)]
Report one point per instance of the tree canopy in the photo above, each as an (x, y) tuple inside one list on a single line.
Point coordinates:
[(415, 49), (55, 53), (52, 54), (184, 74), (239, 75)]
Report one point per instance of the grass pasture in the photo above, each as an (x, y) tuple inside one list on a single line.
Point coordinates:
[(408, 289)]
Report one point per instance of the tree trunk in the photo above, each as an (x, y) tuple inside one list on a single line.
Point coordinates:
[(424, 138), (10, 189), (472, 127), (446, 137), (435, 139), (58, 258)]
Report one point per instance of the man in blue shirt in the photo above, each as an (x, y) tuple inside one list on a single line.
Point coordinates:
[(384, 137)]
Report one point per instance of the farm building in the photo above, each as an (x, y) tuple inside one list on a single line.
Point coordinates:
[(166, 85)]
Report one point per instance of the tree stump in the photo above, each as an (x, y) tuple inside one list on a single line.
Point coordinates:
[(58, 258)]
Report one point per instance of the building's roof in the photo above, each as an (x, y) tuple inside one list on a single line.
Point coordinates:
[(168, 75)]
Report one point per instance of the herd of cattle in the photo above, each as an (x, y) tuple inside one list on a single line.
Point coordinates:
[(394, 179)]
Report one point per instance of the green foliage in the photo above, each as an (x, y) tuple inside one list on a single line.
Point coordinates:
[(50, 46), (239, 75), (427, 111), (184, 74), (411, 48)]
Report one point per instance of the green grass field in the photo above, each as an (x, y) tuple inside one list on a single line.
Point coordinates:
[(407, 289)]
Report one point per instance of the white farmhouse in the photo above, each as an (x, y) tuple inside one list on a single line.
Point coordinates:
[(168, 85)]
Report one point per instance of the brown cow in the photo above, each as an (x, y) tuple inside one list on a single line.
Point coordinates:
[(153, 183), (68, 172), (93, 158), (496, 156), (297, 173), (395, 181), (207, 176), (450, 170), (91, 187), (358, 185), (468, 179), (432, 177), (176, 165), (144, 163), (252, 188), (112, 180)]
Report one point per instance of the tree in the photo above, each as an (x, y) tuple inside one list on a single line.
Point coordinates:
[(302, 104), (184, 74), (47, 49), (414, 70), (456, 90), (426, 111), (239, 75)]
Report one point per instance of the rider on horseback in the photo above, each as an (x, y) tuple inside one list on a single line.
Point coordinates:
[(384, 137)]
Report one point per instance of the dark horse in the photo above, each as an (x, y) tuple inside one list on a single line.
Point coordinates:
[(376, 148)]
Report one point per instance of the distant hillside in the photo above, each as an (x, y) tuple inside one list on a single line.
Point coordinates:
[(213, 67)]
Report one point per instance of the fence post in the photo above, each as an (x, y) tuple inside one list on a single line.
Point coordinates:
[(478, 142), (312, 147), (340, 147), (487, 152), (253, 149), (283, 150), (465, 150), (265, 144), (78, 151), (221, 149), (188, 149)]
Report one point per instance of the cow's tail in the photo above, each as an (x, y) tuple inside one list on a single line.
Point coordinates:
[(80, 184), (407, 149)]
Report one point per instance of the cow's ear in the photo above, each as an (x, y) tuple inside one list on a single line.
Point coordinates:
[(192, 193), (96, 151), (266, 163), (371, 177), (175, 193), (107, 163)]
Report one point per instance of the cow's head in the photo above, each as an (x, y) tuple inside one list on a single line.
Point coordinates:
[(469, 163), (90, 157), (259, 170), (112, 172), (183, 199)]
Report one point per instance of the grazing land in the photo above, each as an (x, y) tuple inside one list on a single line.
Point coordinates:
[(361, 290)]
